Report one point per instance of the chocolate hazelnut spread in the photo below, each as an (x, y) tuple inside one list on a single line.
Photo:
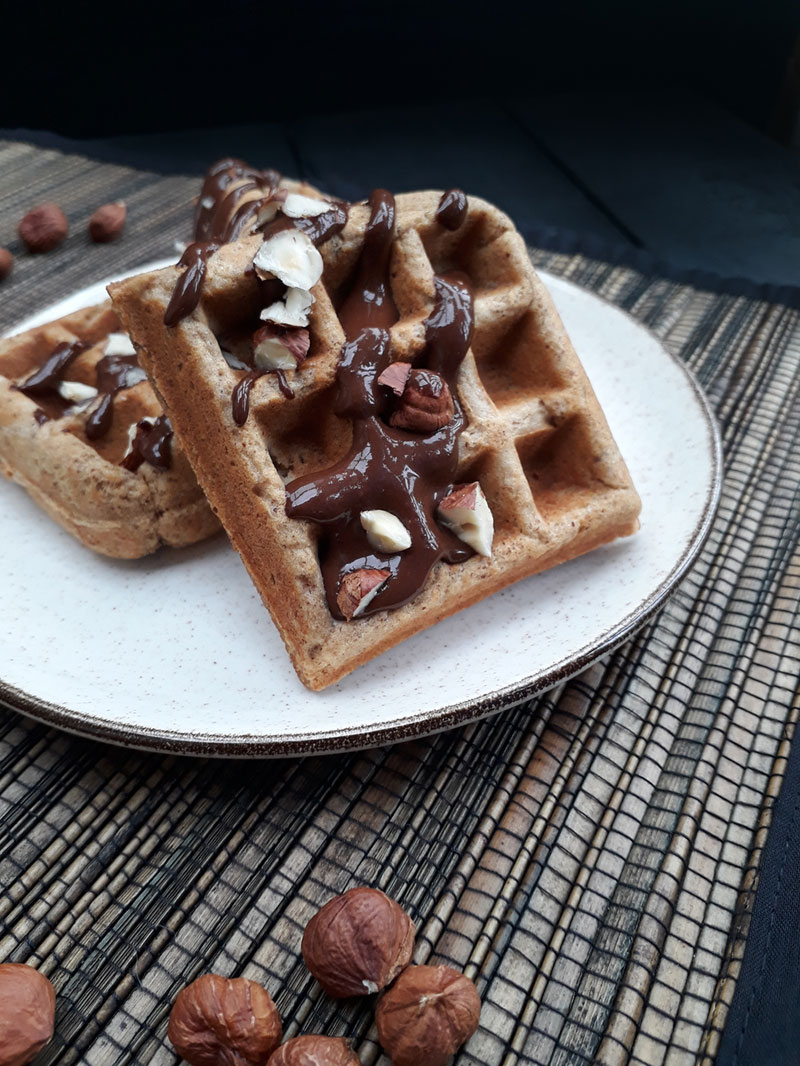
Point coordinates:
[(232, 195), (404, 473), (49, 375), (112, 374), (151, 444), (452, 209)]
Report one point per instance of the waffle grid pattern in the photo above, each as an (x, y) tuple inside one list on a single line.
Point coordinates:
[(590, 856), (535, 436)]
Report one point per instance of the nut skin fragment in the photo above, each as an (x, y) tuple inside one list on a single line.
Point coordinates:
[(426, 404), (6, 263), (395, 376), (427, 1015), (43, 228), (27, 1013), (358, 943), (313, 1050), (108, 222), (355, 592), (220, 1021)]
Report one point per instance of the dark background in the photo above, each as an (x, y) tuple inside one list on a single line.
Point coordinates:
[(94, 70), (665, 129)]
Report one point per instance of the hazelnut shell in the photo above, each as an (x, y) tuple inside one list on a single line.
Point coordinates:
[(358, 943), (315, 1050), (425, 1017), (27, 1013), (6, 263), (221, 1021), (108, 222), (43, 228)]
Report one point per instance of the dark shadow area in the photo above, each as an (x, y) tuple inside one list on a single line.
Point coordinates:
[(91, 70)]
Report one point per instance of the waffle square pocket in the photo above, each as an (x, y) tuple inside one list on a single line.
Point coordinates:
[(384, 410)]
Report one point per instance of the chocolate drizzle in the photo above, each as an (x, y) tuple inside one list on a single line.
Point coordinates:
[(370, 301), (186, 294), (387, 468), (50, 374), (114, 372), (452, 209), (232, 195), (152, 443), (230, 199)]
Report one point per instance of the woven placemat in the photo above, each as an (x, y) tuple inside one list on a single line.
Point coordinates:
[(590, 857)]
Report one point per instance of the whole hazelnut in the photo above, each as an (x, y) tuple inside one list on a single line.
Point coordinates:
[(427, 1015), (358, 943), (107, 222), (221, 1021), (27, 1013), (6, 263), (425, 405), (43, 228), (315, 1050)]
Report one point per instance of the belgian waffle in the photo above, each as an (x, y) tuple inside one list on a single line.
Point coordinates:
[(124, 511), (534, 435)]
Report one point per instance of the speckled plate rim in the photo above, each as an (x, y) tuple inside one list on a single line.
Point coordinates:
[(324, 742)]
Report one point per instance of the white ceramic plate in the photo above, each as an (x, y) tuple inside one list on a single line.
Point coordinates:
[(176, 653)]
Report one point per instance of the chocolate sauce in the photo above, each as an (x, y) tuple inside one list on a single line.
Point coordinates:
[(322, 227), (151, 444), (41, 416), (240, 397), (388, 468), (232, 195), (50, 374), (452, 209), (113, 373), (186, 294), (370, 300)]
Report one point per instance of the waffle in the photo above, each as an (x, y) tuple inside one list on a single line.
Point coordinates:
[(534, 436), (124, 513)]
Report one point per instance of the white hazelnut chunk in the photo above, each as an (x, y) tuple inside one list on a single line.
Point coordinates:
[(293, 311), (119, 344), (291, 257), (466, 512), (76, 392), (297, 206), (385, 531)]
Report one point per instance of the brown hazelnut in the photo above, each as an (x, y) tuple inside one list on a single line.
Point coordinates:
[(427, 1015), (358, 589), (358, 943), (221, 1021), (315, 1050), (43, 228), (27, 1013), (107, 222), (426, 404), (6, 263)]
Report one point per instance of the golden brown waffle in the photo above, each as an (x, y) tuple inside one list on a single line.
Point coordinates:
[(536, 438), (78, 482)]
